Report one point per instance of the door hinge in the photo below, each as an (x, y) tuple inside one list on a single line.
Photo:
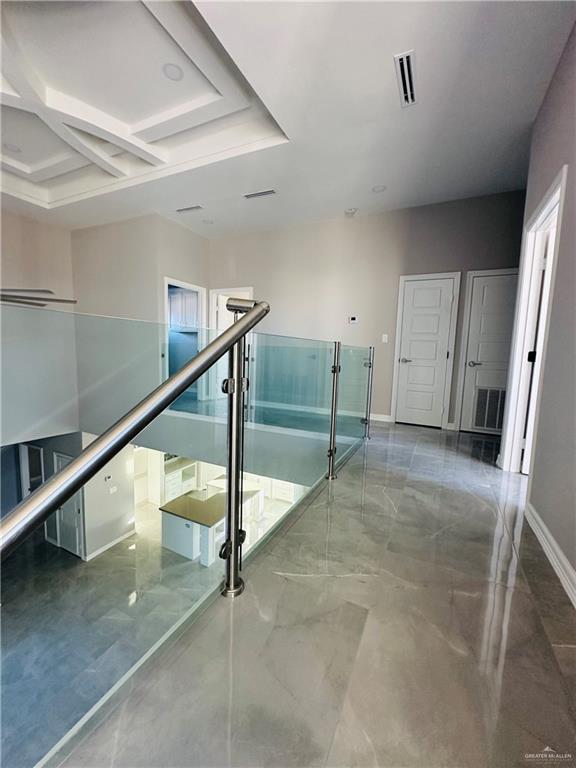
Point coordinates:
[(447, 354), (532, 356)]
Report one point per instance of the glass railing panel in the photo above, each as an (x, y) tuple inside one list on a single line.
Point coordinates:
[(291, 382), (112, 573), (352, 391), (93, 591)]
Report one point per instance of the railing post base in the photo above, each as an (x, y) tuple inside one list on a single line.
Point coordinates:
[(234, 591)]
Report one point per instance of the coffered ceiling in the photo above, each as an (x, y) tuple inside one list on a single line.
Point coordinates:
[(105, 95), (118, 109)]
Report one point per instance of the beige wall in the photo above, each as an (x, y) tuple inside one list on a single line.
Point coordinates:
[(119, 268), (553, 485), (39, 391), (315, 275), (35, 255)]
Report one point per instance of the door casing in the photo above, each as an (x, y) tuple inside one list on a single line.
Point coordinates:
[(510, 457)]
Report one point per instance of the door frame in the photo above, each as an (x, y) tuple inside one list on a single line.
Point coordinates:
[(25, 466), (212, 323), (463, 354), (456, 276), (510, 457)]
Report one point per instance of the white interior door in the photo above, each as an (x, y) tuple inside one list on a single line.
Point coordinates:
[(70, 519), (425, 335), (493, 298)]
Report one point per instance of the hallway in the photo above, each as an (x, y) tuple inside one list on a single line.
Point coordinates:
[(391, 624)]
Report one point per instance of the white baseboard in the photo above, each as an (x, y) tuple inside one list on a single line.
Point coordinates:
[(451, 427), (381, 417), (558, 560), (97, 552)]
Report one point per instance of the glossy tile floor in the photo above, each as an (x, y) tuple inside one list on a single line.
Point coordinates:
[(390, 625), (71, 630)]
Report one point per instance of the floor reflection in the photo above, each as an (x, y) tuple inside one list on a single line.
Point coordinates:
[(392, 624)]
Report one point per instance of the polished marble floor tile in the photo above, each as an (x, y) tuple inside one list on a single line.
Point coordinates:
[(391, 624)]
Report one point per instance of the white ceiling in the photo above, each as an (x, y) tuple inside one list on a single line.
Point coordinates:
[(300, 97)]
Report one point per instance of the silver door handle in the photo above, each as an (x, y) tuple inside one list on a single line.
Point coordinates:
[(405, 360), (473, 364)]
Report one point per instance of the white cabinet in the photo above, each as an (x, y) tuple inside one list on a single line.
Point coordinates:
[(180, 476), (181, 536)]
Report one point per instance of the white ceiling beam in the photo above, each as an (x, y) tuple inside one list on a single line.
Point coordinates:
[(61, 114), (85, 117)]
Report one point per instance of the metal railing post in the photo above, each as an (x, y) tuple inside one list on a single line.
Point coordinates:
[(334, 412), (366, 420), (235, 386)]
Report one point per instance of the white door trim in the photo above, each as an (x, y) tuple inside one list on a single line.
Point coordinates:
[(451, 338), (510, 457), (469, 276), (229, 292)]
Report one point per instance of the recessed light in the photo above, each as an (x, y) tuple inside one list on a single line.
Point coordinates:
[(173, 72), (207, 221), (7, 147), (349, 212), (379, 188)]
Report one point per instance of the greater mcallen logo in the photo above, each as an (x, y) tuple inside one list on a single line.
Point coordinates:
[(548, 755)]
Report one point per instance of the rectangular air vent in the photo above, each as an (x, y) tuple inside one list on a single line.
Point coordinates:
[(262, 193), (189, 208), (489, 410), (404, 63)]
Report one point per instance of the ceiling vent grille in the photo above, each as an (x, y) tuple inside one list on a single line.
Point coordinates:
[(262, 193), (189, 208), (404, 63)]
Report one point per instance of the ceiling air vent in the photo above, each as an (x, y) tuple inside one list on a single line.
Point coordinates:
[(404, 63), (189, 208), (262, 193)]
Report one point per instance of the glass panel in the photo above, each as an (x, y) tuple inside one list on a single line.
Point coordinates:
[(135, 552), (85, 601), (352, 391), (292, 382), (85, 598)]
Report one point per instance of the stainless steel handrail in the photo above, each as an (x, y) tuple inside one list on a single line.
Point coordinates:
[(34, 509)]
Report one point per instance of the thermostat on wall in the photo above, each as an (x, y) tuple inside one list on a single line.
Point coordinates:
[(353, 319)]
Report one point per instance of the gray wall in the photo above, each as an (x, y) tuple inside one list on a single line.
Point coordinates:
[(39, 393), (119, 269), (35, 255), (553, 486), (10, 486), (315, 275)]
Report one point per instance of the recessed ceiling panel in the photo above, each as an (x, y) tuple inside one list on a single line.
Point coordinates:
[(114, 56), (26, 139)]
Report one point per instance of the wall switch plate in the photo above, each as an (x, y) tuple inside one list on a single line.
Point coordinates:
[(384, 338), (353, 319)]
